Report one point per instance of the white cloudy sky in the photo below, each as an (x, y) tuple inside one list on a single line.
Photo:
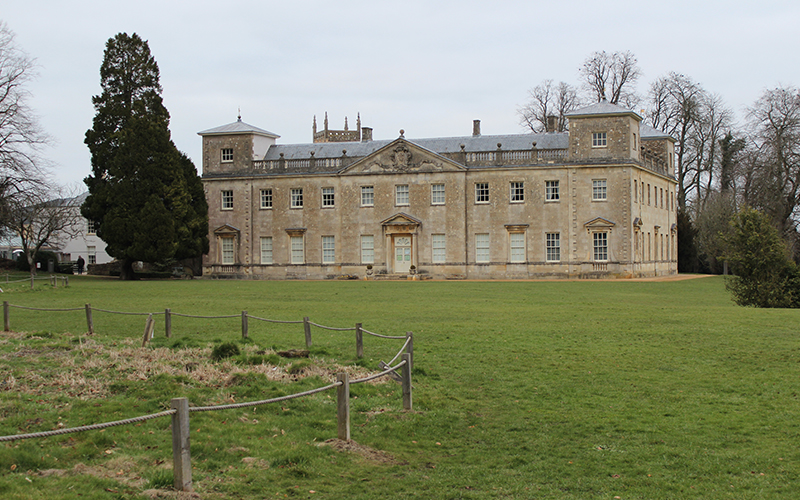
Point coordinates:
[(429, 67)]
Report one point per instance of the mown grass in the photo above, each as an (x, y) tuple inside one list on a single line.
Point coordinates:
[(521, 390)]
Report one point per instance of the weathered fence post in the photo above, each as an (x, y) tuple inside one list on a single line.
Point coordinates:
[(244, 324), (406, 374), (410, 349), (307, 329), (89, 320), (148, 330), (181, 455), (343, 406), (168, 322), (6, 318), (66, 280), (53, 281), (359, 341)]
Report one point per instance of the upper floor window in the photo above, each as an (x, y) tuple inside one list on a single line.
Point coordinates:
[(227, 154), (551, 191), (517, 194), (635, 191), (297, 197), (266, 198), (367, 196), (599, 189), (91, 227), (227, 199), (401, 194), (437, 194), (328, 197), (599, 140), (482, 192)]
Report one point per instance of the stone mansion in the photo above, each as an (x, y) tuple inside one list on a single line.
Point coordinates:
[(597, 201)]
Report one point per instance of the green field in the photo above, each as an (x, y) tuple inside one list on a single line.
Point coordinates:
[(591, 389)]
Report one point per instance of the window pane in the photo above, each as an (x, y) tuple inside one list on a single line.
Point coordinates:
[(266, 198), (297, 198), (266, 250), (553, 247), (328, 250), (437, 194), (367, 196), (227, 251), (438, 247), (227, 154), (401, 193), (517, 192), (551, 191), (600, 246), (482, 192), (328, 197), (517, 243), (599, 189), (227, 200), (481, 248), (599, 140), (298, 256)]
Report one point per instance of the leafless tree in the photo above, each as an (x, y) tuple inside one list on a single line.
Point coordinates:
[(548, 100), (21, 138), (612, 77), (42, 218), (771, 171)]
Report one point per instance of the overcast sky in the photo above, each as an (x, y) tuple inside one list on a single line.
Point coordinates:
[(429, 67)]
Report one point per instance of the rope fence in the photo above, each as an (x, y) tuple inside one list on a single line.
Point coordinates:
[(180, 410), (245, 317)]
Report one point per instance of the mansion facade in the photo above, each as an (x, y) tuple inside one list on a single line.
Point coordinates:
[(597, 201)]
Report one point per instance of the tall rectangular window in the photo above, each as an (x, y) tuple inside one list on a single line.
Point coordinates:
[(328, 250), (437, 194), (367, 249), (438, 249), (482, 192), (401, 194), (328, 198), (367, 196), (599, 140), (553, 247), (517, 194), (517, 247), (91, 255), (266, 249), (297, 197), (482, 247), (227, 251), (635, 192), (266, 198), (91, 227), (600, 245), (551, 191), (599, 189), (227, 154), (298, 251), (227, 199)]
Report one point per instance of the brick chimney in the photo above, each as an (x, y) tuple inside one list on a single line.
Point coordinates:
[(476, 128)]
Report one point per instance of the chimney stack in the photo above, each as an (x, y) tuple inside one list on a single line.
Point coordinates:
[(366, 134), (476, 128), (552, 123)]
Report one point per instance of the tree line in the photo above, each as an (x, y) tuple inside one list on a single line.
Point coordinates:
[(724, 168)]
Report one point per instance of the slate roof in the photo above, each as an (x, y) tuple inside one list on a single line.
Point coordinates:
[(602, 108), (472, 144), (238, 127)]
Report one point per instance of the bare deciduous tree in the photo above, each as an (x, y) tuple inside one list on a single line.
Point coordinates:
[(612, 77), (548, 100), (21, 138)]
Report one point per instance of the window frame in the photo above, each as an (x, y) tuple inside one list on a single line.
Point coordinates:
[(481, 193), (514, 247), (367, 249), (267, 251), (552, 191), (438, 248), (226, 199), (599, 139), (328, 249), (436, 194), (552, 247), (368, 196), (297, 249), (600, 246), (296, 198), (266, 199), (402, 195), (226, 155), (483, 247), (516, 192), (599, 189), (227, 250), (328, 197)]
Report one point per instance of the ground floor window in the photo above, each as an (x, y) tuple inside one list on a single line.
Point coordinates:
[(328, 250), (482, 247), (298, 251), (367, 249), (227, 251), (517, 247), (553, 247), (91, 255), (600, 244), (266, 250), (438, 248)]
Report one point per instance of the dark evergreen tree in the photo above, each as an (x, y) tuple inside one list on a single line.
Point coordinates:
[(145, 195), (687, 248)]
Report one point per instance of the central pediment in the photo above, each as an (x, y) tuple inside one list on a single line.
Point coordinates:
[(402, 156)]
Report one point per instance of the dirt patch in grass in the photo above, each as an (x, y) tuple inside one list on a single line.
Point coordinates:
[(363, 451)]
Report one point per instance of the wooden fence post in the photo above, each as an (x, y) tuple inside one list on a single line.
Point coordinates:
[(148, 330), (6, 318), (343, 406), (307, 329), (359, 341), (89, 320), (406, 374), (244, 324), (181, 455), (168, 322), (410, 349), (66, 280)]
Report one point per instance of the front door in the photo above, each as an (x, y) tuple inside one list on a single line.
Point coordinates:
[(402, 254)]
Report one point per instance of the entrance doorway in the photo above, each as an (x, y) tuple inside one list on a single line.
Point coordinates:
[(402, 254)]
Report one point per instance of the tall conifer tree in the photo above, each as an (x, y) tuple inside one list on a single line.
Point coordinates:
[(144, 193)]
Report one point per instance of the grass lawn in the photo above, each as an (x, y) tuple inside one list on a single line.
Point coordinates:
[(575, 390)]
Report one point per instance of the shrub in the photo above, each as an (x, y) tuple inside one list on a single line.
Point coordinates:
[(225, 350)]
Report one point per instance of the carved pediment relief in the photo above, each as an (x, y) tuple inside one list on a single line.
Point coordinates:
[(402, 156), (599, 223), (226, 229), (401, 219)]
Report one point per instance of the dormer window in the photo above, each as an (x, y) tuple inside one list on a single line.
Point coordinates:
[(599, 140), (227, 154)]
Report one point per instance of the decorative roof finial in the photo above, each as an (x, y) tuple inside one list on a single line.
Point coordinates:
[(239, 118)]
